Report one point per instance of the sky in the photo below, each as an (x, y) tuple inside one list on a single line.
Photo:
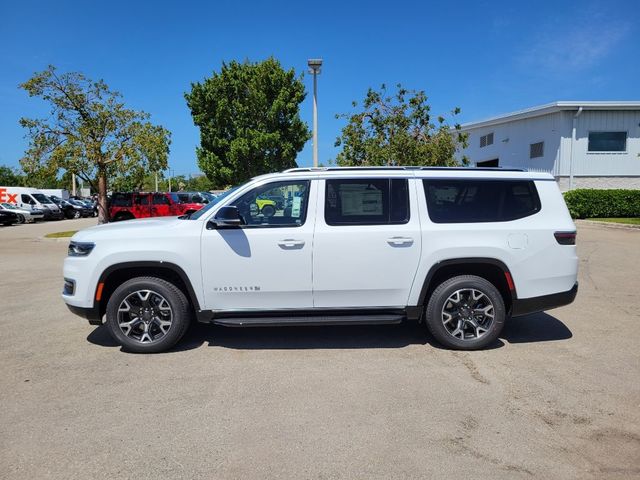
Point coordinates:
[(486, 57)]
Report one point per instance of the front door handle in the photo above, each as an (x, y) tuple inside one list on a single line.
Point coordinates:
[(290, 243), (400, 241)]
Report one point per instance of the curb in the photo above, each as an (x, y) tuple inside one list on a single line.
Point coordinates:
[(622, 226)]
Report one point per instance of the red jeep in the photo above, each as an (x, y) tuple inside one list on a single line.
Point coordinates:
[(125, 206)]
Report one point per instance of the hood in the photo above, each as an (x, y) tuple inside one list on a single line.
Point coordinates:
[(141, 228)]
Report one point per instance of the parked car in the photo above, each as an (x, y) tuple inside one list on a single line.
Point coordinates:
[(460, 250), (8, 218), (70, 208), (89, 203), (85, 209), (24, 215), (127, 206)]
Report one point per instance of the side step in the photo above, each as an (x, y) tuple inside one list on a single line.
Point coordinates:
[(379, 319)]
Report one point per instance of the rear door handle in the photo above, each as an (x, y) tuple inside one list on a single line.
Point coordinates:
[(400, 241), (290, 243)]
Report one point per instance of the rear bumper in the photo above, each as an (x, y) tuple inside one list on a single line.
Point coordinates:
[(524, 306), (91, 314)]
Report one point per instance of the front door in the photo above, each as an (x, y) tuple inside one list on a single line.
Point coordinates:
[(367, 243), (266, 263)]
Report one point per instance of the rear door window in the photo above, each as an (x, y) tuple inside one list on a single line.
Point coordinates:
[(473, 201), (373, 201)]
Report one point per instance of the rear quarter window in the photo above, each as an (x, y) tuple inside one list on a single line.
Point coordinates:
[(474, 201)]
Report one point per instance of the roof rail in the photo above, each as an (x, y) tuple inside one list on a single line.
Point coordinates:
[(342, 169)]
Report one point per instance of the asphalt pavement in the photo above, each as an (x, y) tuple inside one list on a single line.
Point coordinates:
[(557, 397)]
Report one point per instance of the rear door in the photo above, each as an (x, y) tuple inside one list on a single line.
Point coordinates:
[(160, 205), (367, 242), (141, 206)]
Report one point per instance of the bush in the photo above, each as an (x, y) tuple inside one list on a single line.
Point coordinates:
[(588, 203)]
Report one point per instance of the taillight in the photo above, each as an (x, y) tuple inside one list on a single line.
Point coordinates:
[(565, 238)]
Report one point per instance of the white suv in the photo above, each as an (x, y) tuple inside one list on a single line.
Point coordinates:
[(459, 249)]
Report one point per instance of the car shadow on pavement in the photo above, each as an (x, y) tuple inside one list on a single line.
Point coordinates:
[(539, 327)]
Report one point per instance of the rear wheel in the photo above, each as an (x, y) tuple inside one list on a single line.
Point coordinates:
[(148, 315), (466, 312)]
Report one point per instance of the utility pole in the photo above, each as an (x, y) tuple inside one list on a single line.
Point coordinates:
[(156, 182), (314, 68), (73, 184)]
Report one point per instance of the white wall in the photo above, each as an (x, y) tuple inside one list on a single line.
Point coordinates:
[(618, 163), (511, 142)]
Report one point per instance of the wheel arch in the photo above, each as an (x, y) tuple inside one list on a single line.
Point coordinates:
[(116, 274), (491, 269)]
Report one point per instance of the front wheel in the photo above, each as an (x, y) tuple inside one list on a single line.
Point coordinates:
[(147, 315), (466, 312), (76, 214), (21, 219)]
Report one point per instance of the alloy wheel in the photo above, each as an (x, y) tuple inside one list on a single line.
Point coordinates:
[(468, 314), (145, 316)]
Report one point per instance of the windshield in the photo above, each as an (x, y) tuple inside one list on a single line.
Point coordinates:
[(213, 202), (41, 198)]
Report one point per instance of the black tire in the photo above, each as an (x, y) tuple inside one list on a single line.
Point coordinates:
[(180, 315), (76, 214), (21, 219), (268, 211), (465, 336)]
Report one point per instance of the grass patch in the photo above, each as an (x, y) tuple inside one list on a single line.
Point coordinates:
[(70, 233), (628, 221)]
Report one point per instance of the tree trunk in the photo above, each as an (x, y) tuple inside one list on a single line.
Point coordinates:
[(103, 211)]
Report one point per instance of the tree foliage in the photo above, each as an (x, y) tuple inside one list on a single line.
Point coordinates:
[(9, 176), (89, 132), (398, 129), (249, 120)]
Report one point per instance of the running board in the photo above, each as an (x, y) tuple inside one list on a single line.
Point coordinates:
[(310, 320)]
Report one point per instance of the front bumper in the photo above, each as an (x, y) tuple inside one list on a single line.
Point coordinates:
[(524, 306), (91, 314)]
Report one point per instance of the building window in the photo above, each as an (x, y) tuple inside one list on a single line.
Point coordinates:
[(536, 150), (607, 142), (486, 140)]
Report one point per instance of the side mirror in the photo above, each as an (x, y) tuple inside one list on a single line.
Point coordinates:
[(226, 217)]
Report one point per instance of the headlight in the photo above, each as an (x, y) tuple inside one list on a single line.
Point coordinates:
[(80, 249)]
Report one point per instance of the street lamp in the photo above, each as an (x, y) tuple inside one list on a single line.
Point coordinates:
[(314, 68)]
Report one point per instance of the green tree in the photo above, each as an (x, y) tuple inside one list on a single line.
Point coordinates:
[(10, 177), (90, 133), (249, 120), (398, 129)]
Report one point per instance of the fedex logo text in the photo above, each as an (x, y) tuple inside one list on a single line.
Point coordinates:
[(7, 197)]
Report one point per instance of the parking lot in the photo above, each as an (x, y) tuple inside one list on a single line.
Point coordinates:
[(558, 397)]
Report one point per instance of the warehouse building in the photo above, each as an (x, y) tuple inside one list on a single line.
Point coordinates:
[(583, 144)]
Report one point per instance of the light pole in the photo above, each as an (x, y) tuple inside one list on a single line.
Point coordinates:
[(314, 68)]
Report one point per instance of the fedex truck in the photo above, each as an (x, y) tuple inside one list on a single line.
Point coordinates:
[(31, 199)]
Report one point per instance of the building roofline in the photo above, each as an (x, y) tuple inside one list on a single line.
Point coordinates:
[(553, 108)]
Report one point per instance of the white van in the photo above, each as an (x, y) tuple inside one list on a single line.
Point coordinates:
[(30, 199)]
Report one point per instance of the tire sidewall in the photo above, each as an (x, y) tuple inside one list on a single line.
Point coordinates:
[(441, 295), (172, 295)]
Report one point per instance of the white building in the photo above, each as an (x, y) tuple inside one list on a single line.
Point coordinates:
[(583, 144)]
